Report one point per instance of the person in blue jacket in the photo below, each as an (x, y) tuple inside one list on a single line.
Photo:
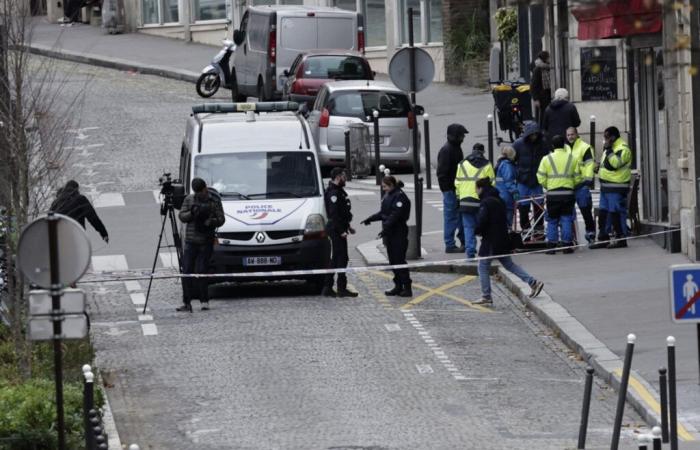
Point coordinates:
[(506, 182)]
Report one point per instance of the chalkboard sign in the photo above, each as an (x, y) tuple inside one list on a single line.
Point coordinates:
[(599, 73)]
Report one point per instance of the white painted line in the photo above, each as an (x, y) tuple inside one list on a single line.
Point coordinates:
[(132, 285), (439, 353), (168, 260), (434, 345), (109, 263), (392, 327), (428, 340), (359, 192), (460, 377), (145, 317), (424, 368), (138, 298), (108, 199), (452, 369), (424, 333), (442, 357), (149, 329), (140, 310)]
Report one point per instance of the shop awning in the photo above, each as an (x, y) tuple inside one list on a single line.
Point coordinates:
[(616, 18)]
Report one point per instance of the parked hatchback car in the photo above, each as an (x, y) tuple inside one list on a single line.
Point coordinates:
[(341, 103), (310, 70)]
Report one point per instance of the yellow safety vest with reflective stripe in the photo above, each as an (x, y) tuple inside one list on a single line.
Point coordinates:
[(465, 182), (584, 155), (615, 176), (557, 172)]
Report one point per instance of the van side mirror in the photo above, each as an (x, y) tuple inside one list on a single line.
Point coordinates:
[(238, 37), (418, 110)]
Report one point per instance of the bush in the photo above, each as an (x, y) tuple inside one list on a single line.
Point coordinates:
[(28, 416)]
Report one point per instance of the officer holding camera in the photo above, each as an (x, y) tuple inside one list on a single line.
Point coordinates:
[(203, 214)]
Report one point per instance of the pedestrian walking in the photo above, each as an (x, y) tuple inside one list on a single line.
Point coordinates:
[(70, 202), (530, 148), (541, 84), (495, 242), (557, 174), (560, 115), (394, 214), (470, 169), (615, 173), (338, 208), (202, 213), (584, 155), (506, 182), (448, 159)]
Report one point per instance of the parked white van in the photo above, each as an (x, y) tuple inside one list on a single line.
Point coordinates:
[(270, 38), (261, 158)]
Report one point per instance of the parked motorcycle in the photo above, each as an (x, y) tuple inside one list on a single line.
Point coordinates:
[(217, 73)]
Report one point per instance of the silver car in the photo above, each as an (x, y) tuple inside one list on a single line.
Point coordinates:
[(341, 103)]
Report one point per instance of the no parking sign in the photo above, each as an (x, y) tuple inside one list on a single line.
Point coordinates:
[(684, 281)]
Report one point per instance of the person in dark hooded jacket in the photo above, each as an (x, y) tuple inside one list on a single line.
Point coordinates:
[(448, 158), (541, 84), (530, 148), (70, 202), (495, 242), (560, 115)]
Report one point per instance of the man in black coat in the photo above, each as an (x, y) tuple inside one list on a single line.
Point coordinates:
[(530, 148), (492, 226), (70, 202), (560, 115), (448, 158)]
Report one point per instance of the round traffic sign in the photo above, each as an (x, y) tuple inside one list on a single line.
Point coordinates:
[(400, 69), (73, 248)]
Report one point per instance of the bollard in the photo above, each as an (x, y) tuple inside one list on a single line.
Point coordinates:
[(348, 158), (134, 447), (663, 394), (643, 440), (673, 419), (656, 433), (489, 124), (592, 128), (624, 381), (419, 215), (585, 409), (88, 405), (428, 167), (377, 159), (383, 171)]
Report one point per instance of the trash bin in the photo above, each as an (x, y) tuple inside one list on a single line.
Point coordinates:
[(360, 164)]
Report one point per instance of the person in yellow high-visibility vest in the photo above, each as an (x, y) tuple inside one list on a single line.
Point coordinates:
[(470, 169), (584, 154), (557, 175)]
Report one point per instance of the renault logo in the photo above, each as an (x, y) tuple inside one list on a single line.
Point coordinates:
[(260, 237)]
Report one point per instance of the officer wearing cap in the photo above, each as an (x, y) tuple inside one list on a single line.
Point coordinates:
[(339, 217)]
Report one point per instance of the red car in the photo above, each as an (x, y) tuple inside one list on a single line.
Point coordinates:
[(311, 69)]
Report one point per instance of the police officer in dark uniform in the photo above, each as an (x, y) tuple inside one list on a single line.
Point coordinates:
[(339, 218), (395, 211)]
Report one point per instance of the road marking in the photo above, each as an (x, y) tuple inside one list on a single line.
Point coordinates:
[(421, 298), (138, 298), (358, 192), (149, 329), (437, 351), (374, 290), (424, 368), (168, 259), (392, 327), (132, 285), (108, 199), (109, 263), (145, 318)]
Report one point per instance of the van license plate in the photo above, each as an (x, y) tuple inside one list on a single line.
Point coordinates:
[(262, 261)]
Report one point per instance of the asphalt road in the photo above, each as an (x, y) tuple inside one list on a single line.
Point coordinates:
[(273, 367)]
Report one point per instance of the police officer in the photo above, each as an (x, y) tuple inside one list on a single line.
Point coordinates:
[(472, 168), (339, 218), (395, 211), (615, 174), (584, 155), (557, 174)]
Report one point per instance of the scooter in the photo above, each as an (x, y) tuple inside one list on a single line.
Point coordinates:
[(217, 73)]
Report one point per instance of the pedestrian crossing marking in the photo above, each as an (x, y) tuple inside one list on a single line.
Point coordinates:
[(149, 329), (168, 260), (138, 299), (132, 285), (109, 263), (109, 199)]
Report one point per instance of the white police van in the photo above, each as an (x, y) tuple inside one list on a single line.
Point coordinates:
[(262, 160)]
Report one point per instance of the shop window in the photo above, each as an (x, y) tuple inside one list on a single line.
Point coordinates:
[(435, 22), (428, 18), (375, 23), (209, 9)]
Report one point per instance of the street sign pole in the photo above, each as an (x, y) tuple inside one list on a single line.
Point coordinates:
[(57, 316), (684, 281), (416, 156)]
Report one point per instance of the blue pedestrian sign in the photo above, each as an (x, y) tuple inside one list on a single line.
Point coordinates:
[(684, 281)]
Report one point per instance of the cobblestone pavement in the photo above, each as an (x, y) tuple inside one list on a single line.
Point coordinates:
[(272, 367)]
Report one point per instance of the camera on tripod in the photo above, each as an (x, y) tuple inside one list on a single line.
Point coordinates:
[(173, 192)]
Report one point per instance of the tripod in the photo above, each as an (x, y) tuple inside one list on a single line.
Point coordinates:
[(167, 210)]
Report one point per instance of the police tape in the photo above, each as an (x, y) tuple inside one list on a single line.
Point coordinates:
[(147, 274)]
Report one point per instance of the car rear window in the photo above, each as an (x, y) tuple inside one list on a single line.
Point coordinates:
[(335, 67), (362, 103)]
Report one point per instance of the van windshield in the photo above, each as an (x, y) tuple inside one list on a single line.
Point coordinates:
[(259, 174), (361, 103)]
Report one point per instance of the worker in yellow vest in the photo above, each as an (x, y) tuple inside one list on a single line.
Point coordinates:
[(584, 155), (615, 173), (557, 175), (470, 169)]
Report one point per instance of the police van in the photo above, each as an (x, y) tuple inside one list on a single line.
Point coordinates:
[(261, 159)]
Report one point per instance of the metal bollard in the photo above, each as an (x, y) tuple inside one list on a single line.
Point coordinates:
[(592, 142), (656, 433), (348, 158), (631, 338), (134, 447), (643, 440), (383, 171), (428, 167), (419, 215), (88, 404), (489, 125), (583, 429), (663, 394), (377, 159), (673, 419)]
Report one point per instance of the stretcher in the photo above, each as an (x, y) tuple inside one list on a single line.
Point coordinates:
[(534, 237)]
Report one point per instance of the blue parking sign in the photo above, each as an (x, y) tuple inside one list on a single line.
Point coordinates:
[(684, 281)]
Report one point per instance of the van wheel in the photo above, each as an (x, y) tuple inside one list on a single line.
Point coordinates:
[(235, 92), (261, 91)]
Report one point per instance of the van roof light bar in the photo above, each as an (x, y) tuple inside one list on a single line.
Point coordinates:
[(243, 107)]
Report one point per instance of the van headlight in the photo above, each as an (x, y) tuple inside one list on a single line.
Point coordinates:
[(315, 227)]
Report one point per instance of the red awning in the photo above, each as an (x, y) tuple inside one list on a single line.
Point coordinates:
[(616, 18)]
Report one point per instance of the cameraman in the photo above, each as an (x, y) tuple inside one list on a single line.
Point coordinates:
[(203, 214)]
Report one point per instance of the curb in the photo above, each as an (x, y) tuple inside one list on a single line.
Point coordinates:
[(112, 63), (110, 426)]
